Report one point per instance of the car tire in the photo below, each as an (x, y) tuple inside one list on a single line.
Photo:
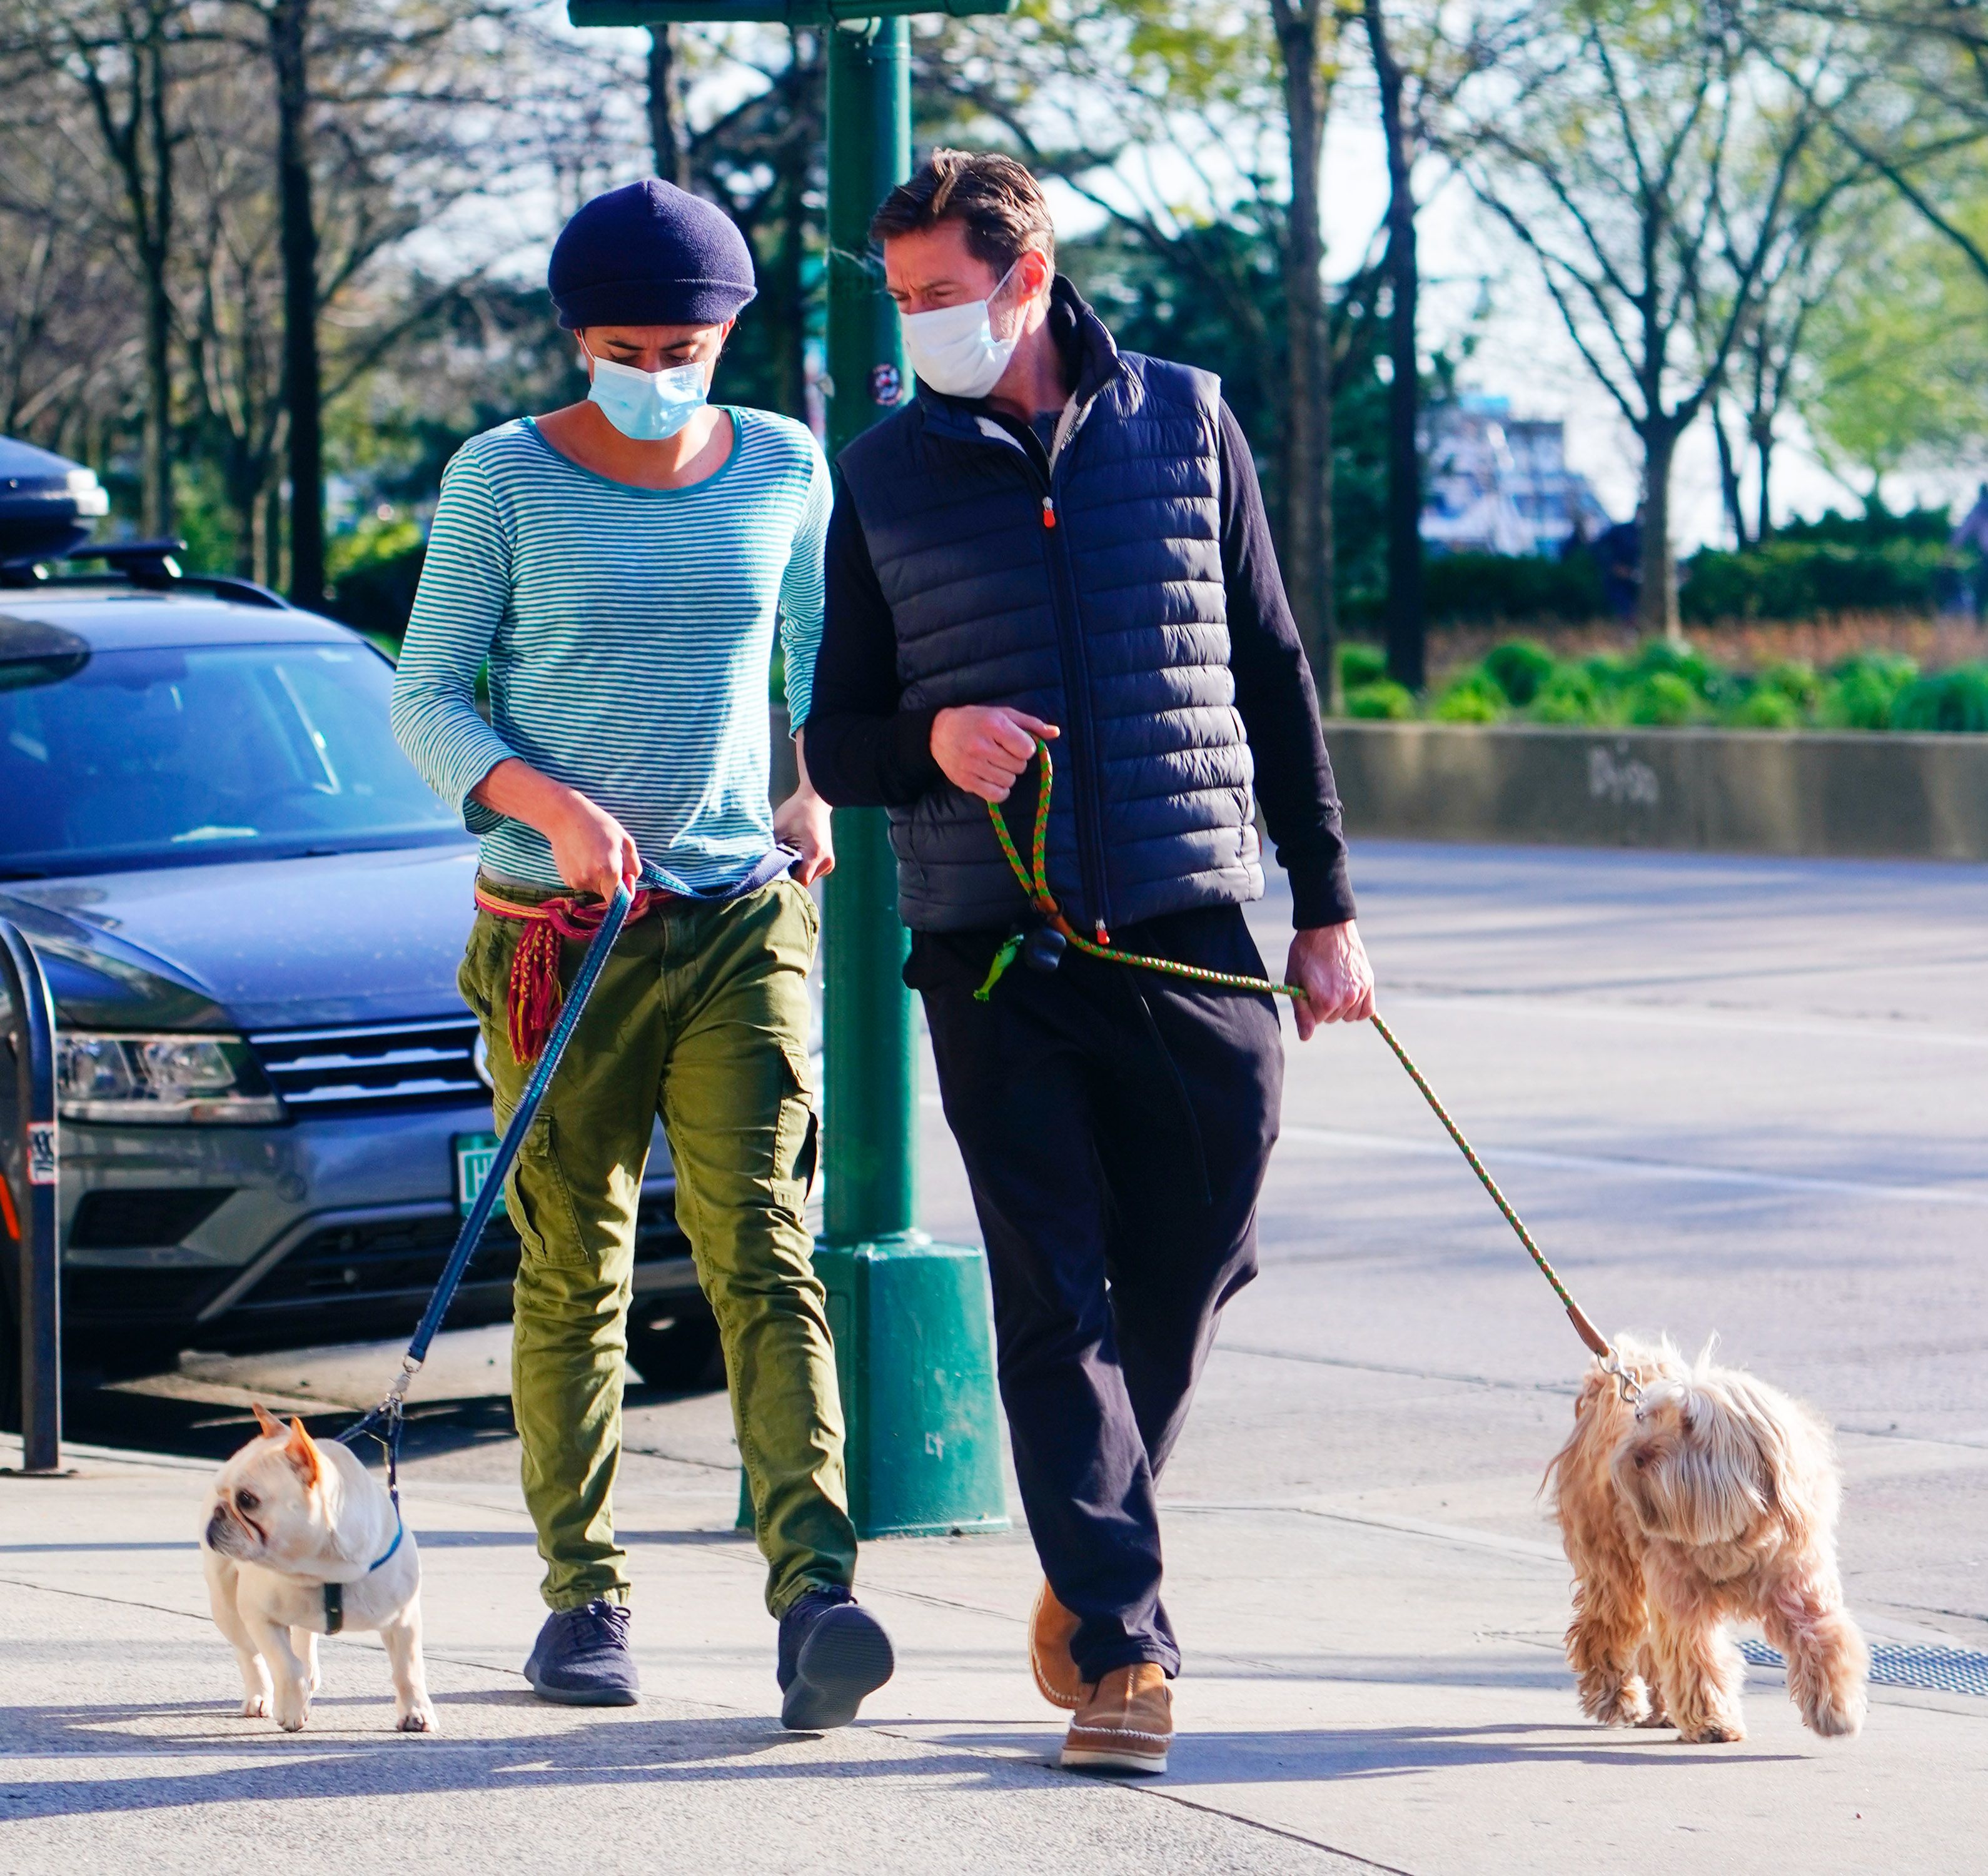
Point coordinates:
[(673, 1345)]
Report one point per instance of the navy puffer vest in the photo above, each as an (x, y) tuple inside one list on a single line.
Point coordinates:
[(1089, 593)]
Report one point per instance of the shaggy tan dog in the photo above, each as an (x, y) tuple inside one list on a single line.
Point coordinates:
[(1712, 1500)]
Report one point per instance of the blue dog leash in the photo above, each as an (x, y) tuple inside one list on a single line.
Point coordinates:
[(384, 1422)]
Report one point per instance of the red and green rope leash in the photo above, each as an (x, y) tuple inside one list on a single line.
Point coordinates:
[(1034, 879)]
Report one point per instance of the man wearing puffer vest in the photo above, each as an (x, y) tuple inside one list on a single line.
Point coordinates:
[(1061, 544)]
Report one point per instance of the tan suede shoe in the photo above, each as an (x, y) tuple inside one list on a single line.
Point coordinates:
[(1126, 1724), (1052, 1628)]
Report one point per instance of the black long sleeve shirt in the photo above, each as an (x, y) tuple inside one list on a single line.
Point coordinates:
[(864, 750)]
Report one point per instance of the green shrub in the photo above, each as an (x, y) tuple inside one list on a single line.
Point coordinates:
[(1862, 689), (1472, 699), (1766, 708), (1659, 657), (373, 572), (1360, 665), (1569, 696), (1953, 701), (1662, 700), (1518, 667), (1384, 701), (1792, 578), (1796, 681), (1485, 586)]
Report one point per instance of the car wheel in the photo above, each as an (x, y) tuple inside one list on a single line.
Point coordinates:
[(673, 1345)]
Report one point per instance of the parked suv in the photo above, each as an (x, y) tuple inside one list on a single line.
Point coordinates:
[(250, 910)]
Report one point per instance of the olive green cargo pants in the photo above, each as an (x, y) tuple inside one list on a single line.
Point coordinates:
[(700, 1016)]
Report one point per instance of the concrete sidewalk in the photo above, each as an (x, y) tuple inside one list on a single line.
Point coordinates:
[(1367, 1688)]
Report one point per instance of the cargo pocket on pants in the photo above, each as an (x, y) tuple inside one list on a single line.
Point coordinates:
[(796, 1135), (541, 1200)]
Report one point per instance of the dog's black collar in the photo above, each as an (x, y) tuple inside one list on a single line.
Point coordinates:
[(334, 1593)]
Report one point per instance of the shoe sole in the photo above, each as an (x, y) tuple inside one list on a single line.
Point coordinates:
[(588, 1697), (846, 1658), (1098, 1759)]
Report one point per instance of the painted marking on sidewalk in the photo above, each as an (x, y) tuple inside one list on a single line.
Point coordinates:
[(1670, 1171)]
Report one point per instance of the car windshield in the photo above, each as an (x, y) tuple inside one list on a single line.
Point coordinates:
[(172, 757)]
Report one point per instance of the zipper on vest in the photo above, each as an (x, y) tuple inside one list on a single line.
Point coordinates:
[(1077, 687)]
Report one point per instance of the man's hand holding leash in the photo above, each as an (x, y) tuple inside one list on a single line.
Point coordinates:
[(983, 748), (1330, 965)]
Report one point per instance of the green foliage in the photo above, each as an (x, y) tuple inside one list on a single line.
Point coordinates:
[(1360, 664), (1796, 681), (1793, 578), (1475, 698), (1767, 709), (1518, 667), (1660, 658), (1569, 696), (1954, 699), (1384, 700), (1862, 690), (1664, 700), (1486, 587), (374, 570)]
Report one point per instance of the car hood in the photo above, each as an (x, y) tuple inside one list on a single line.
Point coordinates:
[(262, 944)]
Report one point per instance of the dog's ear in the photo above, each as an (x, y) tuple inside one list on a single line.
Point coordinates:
[(266, 1420), (302, 1453)]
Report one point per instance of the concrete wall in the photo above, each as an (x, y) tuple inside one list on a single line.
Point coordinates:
[(1729, 791)]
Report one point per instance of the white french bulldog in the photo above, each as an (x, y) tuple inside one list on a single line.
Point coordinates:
[(301, 1541)]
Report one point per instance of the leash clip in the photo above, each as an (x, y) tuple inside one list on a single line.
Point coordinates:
[(1626, 1383)]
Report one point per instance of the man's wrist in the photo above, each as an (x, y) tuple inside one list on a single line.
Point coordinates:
[(1321, 895)]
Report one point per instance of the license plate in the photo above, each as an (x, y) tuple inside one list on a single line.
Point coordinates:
[(474, 1154)]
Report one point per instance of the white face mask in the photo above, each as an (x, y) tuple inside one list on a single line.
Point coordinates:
[(647, 406), (953, 349)]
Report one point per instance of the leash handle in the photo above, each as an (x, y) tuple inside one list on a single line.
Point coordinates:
[(1598, 1343)]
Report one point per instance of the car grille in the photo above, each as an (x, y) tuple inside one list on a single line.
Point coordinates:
[(403, 1256), (383, 1065)]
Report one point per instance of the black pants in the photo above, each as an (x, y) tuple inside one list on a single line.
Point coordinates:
[(1115, 1124)]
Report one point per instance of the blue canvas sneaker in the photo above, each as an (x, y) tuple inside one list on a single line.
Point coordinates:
[(581, 1657), (832, 1654)]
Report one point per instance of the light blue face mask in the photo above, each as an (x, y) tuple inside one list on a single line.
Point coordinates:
[(647, 406)]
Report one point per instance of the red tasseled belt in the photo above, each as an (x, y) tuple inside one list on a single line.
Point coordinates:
[(536, 996)]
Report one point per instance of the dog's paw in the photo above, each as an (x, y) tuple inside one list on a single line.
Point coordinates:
[(1615, 1702), (1712, 1732), (255, 1706), (416, 1719), (1831, 1719), (292, 1710)]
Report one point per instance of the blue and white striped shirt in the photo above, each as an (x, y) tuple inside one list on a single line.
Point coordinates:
[(630, 634)]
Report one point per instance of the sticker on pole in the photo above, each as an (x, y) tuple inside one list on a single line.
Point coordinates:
[(42, 1154), (887, 385)]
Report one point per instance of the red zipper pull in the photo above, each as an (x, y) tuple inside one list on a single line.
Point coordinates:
[(1049, 511)]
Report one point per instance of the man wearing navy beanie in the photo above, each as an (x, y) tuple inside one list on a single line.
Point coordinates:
[(620, 566)]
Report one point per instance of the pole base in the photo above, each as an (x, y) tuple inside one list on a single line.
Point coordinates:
[(915, 1359)]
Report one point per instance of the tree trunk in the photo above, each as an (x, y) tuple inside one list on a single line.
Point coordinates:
[(1656, 596), (1408, 638), (1763, 454), (155, 245), (289, 24), (1729, 480), (1308, 560), (666, 130)]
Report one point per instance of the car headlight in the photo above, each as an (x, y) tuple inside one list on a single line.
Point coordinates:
[(162, 1079)]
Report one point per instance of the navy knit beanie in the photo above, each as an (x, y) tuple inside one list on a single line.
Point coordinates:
[(650, 254)]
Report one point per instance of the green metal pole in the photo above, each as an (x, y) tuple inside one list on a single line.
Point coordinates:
[(871, 1097)]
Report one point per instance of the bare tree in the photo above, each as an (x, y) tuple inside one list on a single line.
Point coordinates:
[(1645, 160)]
